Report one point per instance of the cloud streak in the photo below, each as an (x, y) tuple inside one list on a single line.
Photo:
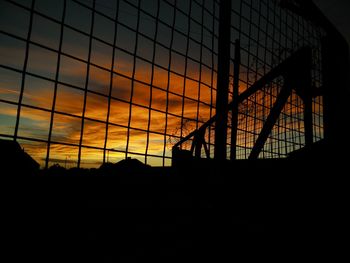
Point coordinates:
[(66, 129)]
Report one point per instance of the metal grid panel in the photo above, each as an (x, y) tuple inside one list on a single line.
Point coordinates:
[(269, 35), (104, 80), (90, 81)]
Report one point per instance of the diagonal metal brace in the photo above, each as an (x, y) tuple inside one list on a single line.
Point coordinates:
[(270, 121), (198, 142)]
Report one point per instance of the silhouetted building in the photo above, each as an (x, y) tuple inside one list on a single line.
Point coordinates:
[(124, 167), (14, 161)]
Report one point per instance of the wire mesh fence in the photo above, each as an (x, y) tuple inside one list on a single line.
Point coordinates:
[(269, 35), (83, 82)]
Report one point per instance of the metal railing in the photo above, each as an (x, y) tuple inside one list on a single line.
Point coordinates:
[(296, 72)]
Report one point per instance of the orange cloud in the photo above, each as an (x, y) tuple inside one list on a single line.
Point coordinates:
[(67, 129)]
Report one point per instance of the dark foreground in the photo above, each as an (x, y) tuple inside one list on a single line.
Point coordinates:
[(265, 210)]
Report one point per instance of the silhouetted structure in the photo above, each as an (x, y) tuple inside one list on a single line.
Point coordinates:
[(262, 183), (335, 73), (330, 86), (188, 60), (14, 161)]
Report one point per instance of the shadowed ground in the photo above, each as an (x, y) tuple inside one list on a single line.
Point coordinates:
[(285, 209)]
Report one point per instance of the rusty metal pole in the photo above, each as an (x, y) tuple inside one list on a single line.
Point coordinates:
[(224, 57)]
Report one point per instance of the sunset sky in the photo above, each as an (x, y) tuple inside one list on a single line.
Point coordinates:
[(158, 104), (39, 85)]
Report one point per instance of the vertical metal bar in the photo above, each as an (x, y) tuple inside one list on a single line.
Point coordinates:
[(168, 84), (152, 81), (86, 81), (306, 79), (133, 78), (308, 123), (24, 71), (223, 80), (200, 66), (185, 69), (327, 93), (111, 83), (56, 85), (198, 145), (335, 70), (234, 120), (212, 77)]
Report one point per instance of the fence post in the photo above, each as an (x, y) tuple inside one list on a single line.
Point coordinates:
[(234, 109), (335, 66), (224, 57)]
